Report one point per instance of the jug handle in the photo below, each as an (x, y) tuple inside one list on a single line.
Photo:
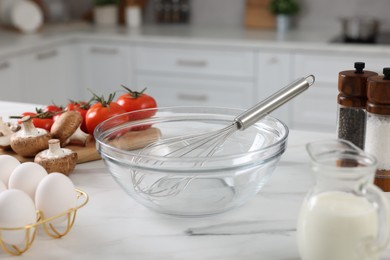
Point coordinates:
[(383, 236)]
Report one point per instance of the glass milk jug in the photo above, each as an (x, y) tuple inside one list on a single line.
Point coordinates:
[(344, 216)]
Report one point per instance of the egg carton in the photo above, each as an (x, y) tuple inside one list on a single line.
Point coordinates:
[(50, 230)]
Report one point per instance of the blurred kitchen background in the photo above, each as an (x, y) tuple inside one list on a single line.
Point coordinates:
[(226, 53), (314, 14)]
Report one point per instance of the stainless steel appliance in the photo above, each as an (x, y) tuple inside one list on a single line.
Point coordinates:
[(382, 38), (360, 29)]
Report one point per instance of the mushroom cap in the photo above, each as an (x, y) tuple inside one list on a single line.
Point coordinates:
[(65, 126), (63, 164), (29, 146), (5, 135), (30, 140), (5, 141)]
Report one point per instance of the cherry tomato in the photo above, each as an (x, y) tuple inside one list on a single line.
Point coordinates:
[(24, 114), (50, 111), (82, 108), (52, 108), (133, 100), (40, 120), (101, 111)]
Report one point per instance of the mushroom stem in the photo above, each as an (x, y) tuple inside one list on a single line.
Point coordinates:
[(79, 137), (54, 149), (57, 159), (66, 128), (28, 127)]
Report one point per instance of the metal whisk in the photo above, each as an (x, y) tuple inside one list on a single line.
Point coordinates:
[(206, 144)]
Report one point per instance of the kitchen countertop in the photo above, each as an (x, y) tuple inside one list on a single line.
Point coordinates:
[(12, 42), (113, 226)]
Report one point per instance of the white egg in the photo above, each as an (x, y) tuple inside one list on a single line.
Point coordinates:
[(7, 164), (17, 210), (2, 186), (55, 194), (26, 177)]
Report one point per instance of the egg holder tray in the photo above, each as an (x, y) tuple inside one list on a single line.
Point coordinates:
[(50, 230)]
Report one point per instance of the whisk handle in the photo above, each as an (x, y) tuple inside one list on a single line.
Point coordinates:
[(261, 109)]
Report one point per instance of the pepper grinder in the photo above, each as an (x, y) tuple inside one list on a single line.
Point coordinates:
[(352, 98), (378, 126)]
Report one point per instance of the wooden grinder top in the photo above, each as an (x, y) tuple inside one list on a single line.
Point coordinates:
[(378, 93), (352, 85)]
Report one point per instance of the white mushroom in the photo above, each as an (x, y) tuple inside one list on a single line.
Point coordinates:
[(5, 135), (67, 129), (14, 126), (29, 140), (57, 159)]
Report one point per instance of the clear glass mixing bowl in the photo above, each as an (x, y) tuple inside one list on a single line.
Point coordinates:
[(190, 185)]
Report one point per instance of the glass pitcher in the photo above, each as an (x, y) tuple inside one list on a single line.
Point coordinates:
[(344, 216)]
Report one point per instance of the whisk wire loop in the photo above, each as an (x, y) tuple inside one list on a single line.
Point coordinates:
[(206, 144)]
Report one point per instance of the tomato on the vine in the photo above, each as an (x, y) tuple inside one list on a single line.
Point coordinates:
[(101, 111), (52, 109), (133, 100), (40, 120), (81, 107)]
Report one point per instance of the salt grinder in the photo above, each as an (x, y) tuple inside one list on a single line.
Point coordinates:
[(378, 126), (352, 98)]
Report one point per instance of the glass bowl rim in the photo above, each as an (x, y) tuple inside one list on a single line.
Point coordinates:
[(97, 134)]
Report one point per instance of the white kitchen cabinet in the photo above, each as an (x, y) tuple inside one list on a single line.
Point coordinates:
[(177, 91), (105, 67), (237, 63), (10, 80), (273, 73), (196, 76), (316, 108), (49, 76)]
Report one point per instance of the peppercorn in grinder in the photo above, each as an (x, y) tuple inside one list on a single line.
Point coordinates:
[(352, 98), (378, 126)]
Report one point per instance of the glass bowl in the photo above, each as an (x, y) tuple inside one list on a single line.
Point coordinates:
[(189, 184)]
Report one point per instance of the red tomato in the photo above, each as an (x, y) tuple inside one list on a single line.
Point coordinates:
[(25, 114), (82, 108), (52, 108), (101, 111), (49, 111), (40, 121), (133, 100)]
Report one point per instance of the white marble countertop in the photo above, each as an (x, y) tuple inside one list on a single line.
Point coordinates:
[(12, 43), (114, 226)]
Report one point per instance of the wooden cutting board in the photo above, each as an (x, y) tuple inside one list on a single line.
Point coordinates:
[(84, 154)]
